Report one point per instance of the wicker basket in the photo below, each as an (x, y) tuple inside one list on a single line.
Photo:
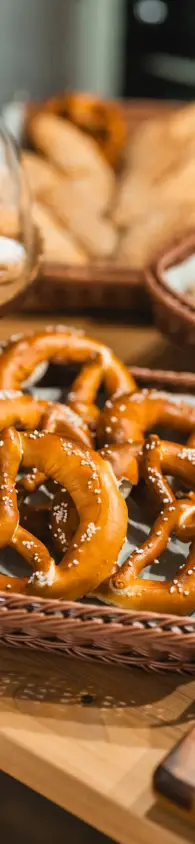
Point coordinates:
[(100, 632), (174, 312), (102, 284)]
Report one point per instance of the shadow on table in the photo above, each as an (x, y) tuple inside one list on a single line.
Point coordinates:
[(73, 689), (160, 814)]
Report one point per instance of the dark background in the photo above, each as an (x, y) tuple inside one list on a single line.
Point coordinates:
[(173, 38)]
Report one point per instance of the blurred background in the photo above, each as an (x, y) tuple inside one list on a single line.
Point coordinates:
[(134, 48), (92, 218)]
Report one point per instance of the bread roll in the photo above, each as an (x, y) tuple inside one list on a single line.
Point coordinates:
[(142, 244), (40, 174), (59, 246), (96, 234), (75, 154)]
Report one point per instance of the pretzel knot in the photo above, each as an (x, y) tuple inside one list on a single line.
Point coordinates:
[(125, 587), (19, 359), (101, 510), (31, 413), (127, 418)]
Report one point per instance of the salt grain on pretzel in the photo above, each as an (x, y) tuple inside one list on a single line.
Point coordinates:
[(28, 412), (19, 359), (129, 418), (102, 515), (125, 588)]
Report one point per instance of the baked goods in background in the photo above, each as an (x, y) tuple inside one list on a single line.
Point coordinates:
[(155, 202), (101, 119), (76, 185), (59, 245), (39, 173), (191, 293), (142, 243), (84, 460), (76, 155), (127, 215), (95, 233)]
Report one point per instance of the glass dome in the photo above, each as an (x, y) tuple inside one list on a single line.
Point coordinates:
[(19, 247)]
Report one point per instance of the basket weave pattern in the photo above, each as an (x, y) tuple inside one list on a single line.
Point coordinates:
[(103, 633), (174, 312)]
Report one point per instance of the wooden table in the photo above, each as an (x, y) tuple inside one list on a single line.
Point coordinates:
[(95, 761)]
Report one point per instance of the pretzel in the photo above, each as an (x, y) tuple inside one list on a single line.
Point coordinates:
[(126, 419), (32, 413), (59, 513), (178, 461), (125, 461), (29, 412), (125, 588), (20, 357), (64, 520), (101, 509), (97, 117)]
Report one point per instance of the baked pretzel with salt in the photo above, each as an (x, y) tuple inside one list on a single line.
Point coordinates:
[(21, 356), (125, 588), (101, 509), (127, 461), (127, 418), (32, 413)]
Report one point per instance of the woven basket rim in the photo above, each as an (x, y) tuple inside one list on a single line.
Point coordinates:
[(176, 302), (98, 610), (184, 380), (105, 273)]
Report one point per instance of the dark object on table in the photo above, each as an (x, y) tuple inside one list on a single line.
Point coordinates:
[(174, 779)]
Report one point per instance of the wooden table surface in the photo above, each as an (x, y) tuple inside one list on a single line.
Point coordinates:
[(95, 761)]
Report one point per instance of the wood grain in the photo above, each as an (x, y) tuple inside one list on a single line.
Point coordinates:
[(94, 760)]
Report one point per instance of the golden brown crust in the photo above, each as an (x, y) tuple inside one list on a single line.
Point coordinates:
[(126, 419), (125, 588), (20, 357), (102, 515)]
